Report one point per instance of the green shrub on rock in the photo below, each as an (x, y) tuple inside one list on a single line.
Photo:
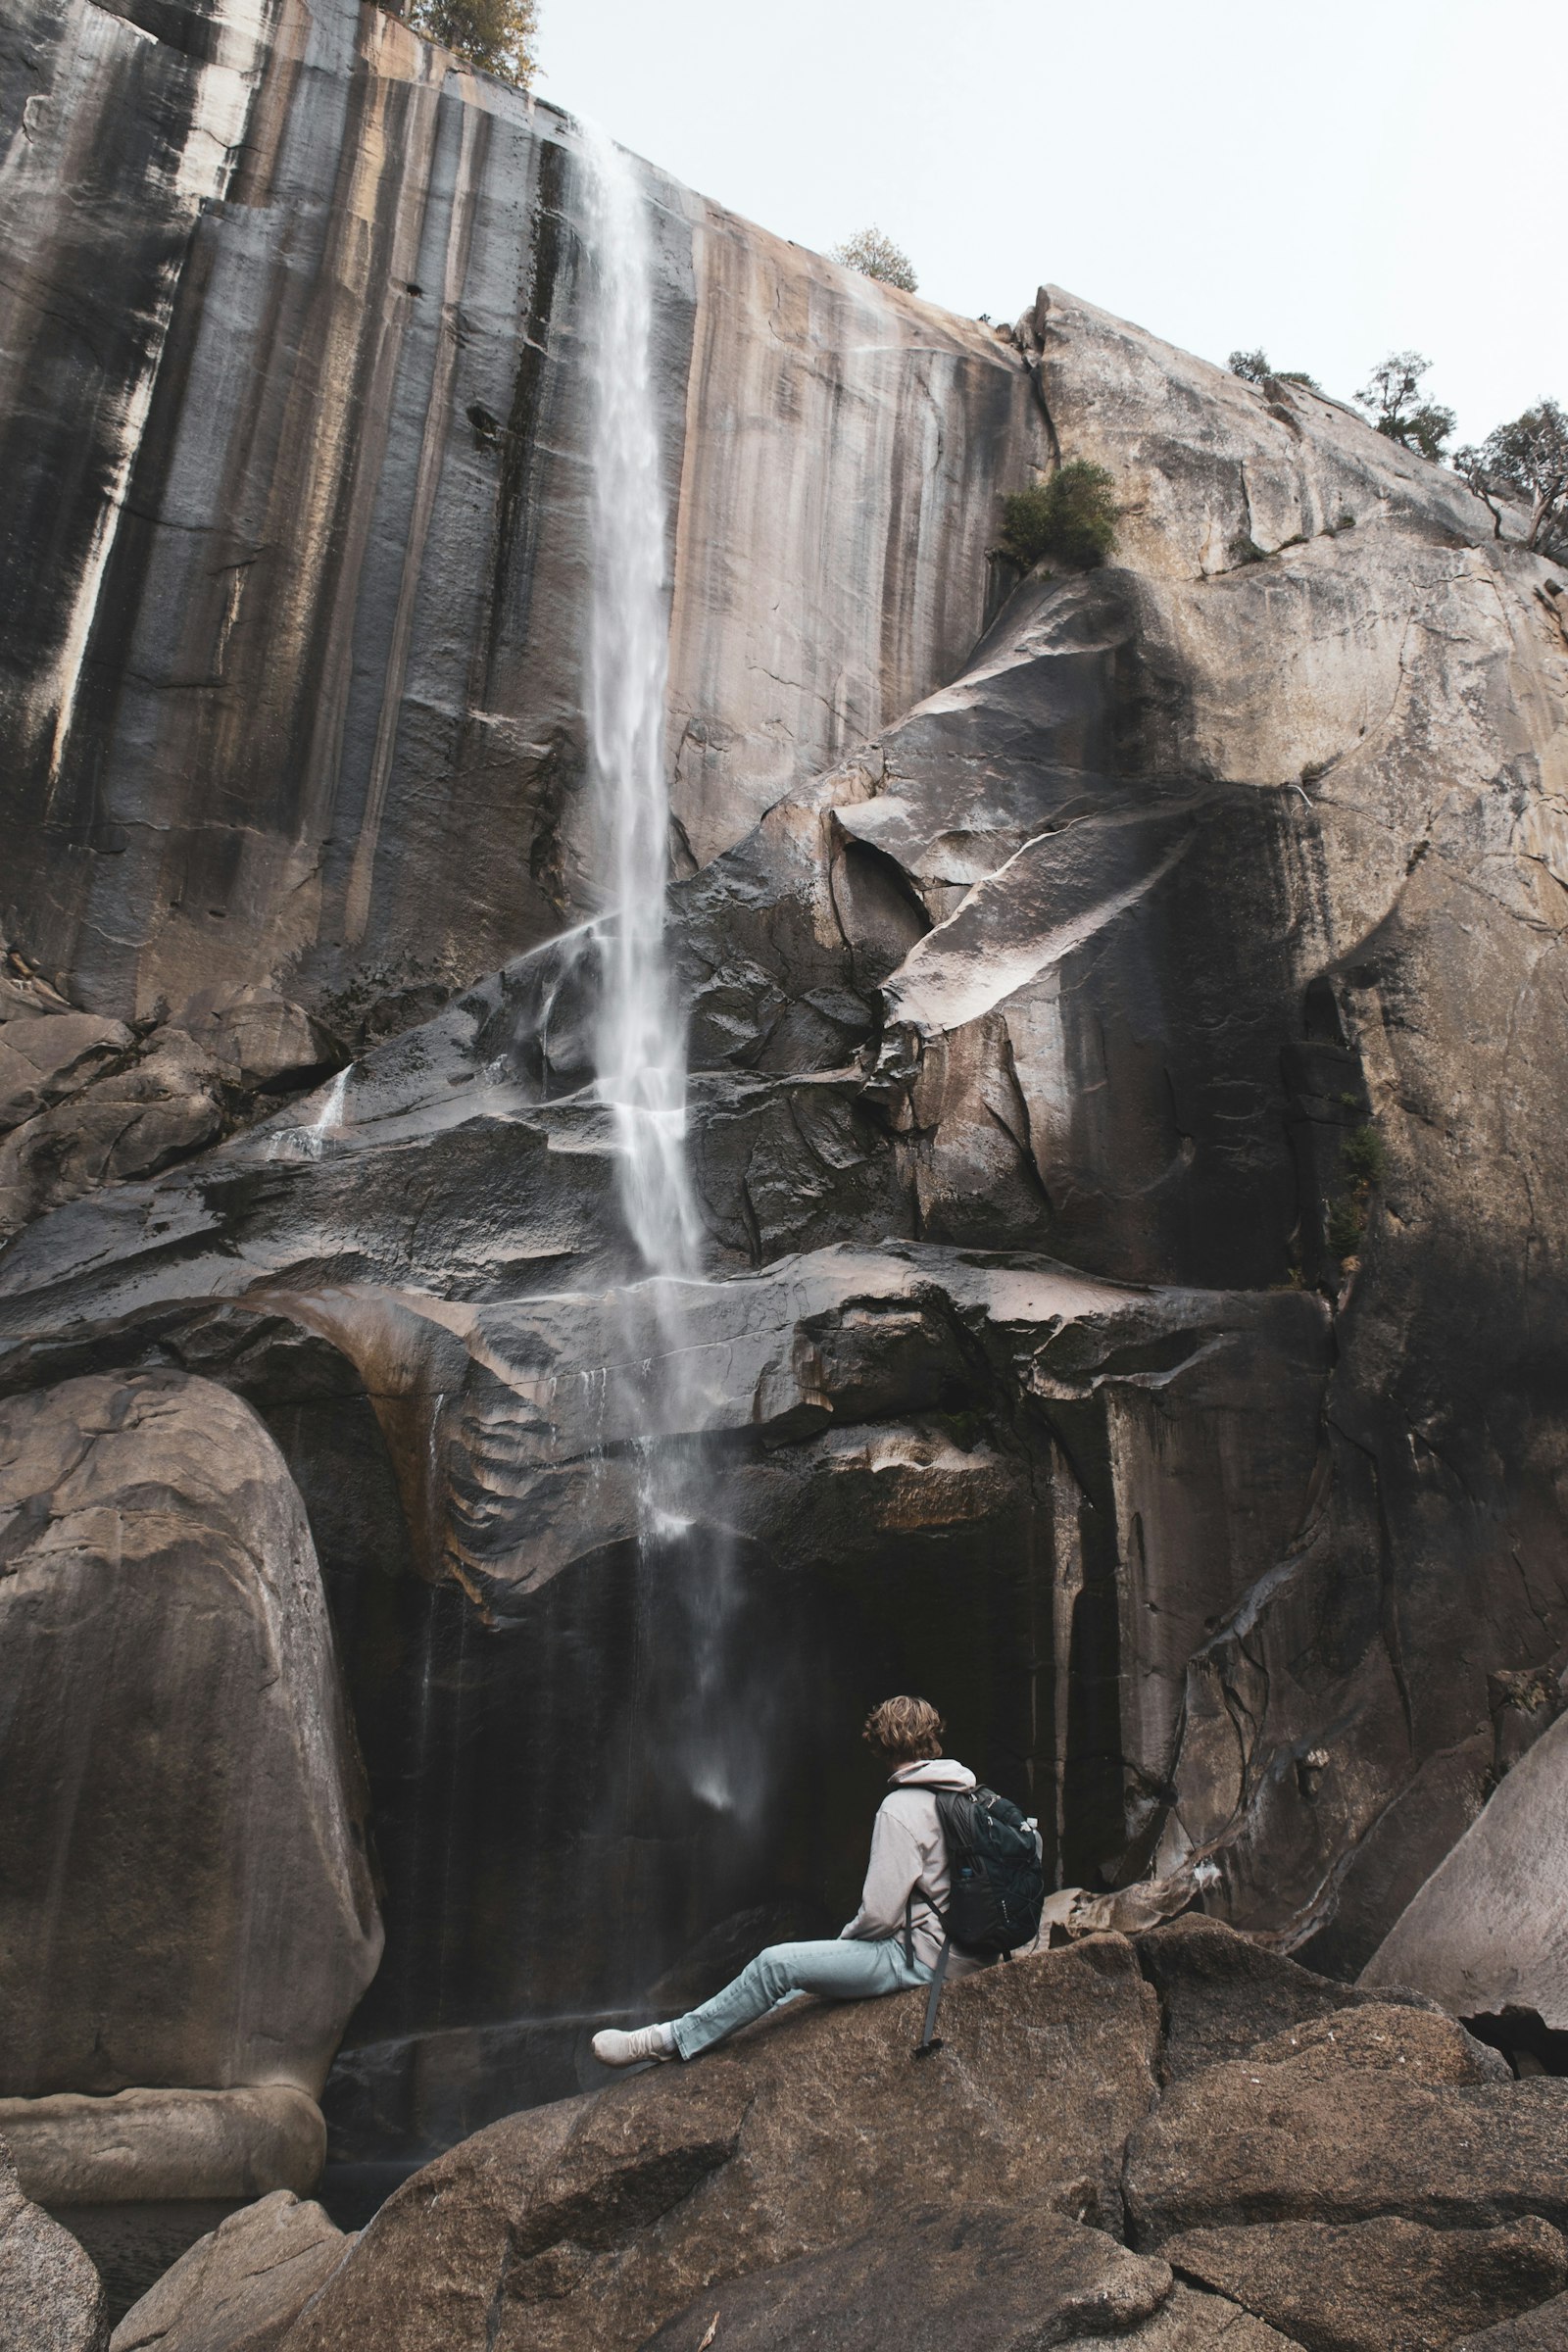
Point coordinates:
[(495, 35), (1071, 514)]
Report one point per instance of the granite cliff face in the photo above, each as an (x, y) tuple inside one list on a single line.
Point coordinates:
[(1124, 1028), (293, 389)]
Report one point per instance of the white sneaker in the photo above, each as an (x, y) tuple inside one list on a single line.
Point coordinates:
[(612, 2047)]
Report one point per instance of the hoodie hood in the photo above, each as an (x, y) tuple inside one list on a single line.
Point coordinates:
[(937, 1772)]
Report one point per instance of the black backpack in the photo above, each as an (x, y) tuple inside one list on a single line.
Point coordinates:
[(996, 1886)]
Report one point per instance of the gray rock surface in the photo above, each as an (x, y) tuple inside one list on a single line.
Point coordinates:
[(164, 2145), (1376, 2112), (1377, 2286), (186, 1894), (595, 2221), (1488, 1931), (240, 2288), (51, 2299)]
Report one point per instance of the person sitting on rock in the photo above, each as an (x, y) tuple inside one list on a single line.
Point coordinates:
[(892, 1941)]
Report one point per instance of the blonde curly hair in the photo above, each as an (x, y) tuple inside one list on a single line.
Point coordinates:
[(908, 1730)]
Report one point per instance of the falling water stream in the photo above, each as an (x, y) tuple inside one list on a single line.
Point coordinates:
[(640, 1041), (687, 1574)]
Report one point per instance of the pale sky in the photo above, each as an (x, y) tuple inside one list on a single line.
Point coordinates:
[(1332, 180)]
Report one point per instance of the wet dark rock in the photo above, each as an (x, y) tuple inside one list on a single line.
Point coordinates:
[(1376, 2112), (241, 2288), (51, 2298), (1377, 2286)]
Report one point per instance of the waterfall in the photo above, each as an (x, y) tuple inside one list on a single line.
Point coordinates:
[(640, 1042), (689, 1603)]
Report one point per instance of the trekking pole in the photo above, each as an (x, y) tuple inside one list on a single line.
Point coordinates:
[(927, 2043)]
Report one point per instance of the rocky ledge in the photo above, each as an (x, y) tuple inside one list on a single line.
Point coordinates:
[(1168, 2141)]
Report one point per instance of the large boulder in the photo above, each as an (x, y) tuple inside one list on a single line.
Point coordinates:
[(51, 2298), (1377, 2286), (594, 2221), (1488, 1930), (240, 2288), (1377, 2111), (186, 1895), (164, 2146)]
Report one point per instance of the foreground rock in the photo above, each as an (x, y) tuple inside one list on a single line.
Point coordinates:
[(1543, 2330), (979, 2277), (1378, 2111), (1488, 1931), (592, 2222), (1377, 2286), (51, 2299), (240, 2289), (186, 1897), (973, 2278)]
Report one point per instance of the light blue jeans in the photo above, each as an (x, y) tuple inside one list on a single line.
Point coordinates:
[(845, 1969)]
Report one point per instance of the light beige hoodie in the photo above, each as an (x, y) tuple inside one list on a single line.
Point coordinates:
[(907, 1850)]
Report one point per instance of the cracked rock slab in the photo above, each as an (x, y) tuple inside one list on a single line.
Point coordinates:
[(1387, 2285), (1220, 1996), (976, 2278), (1379, 2111)]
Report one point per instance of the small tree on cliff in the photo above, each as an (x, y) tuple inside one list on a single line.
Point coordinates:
[(875, 255), (1253, 368), (1072, 516), (1527, 460), (1392, 402), (496, 35)]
